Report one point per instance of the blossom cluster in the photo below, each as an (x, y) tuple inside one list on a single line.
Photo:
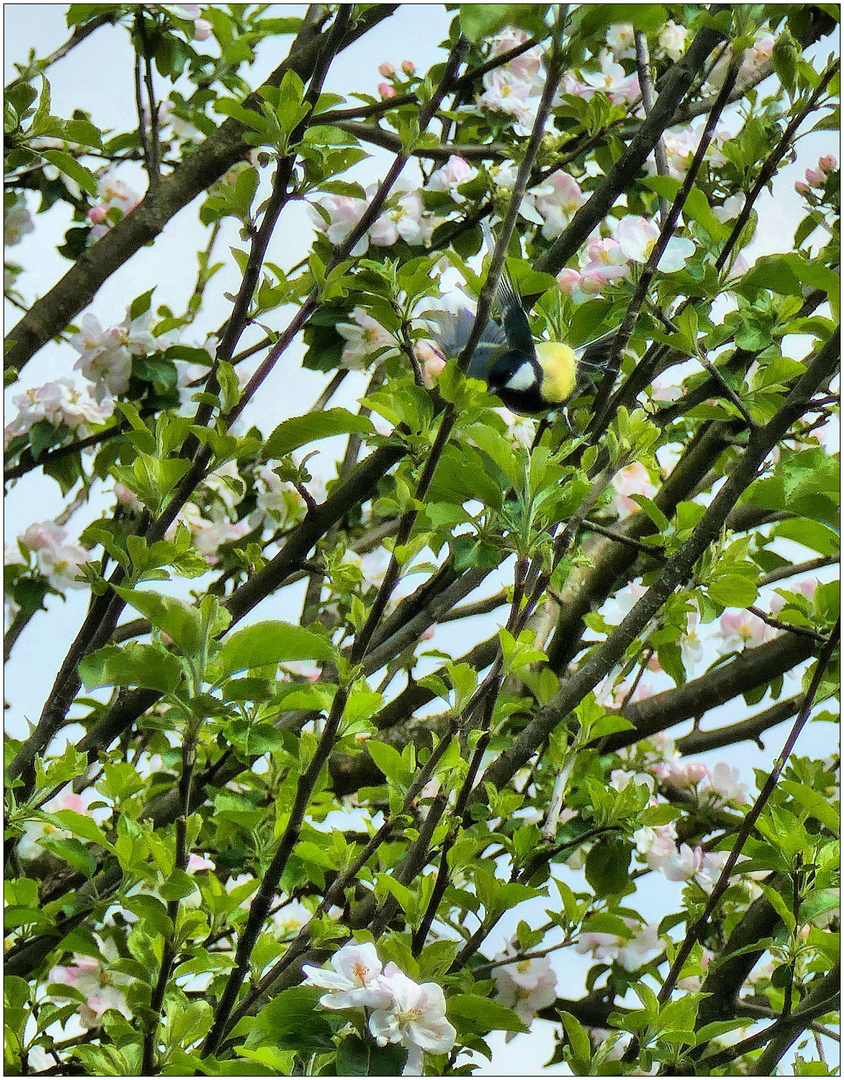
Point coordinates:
[(58, 403), (105, 354), (525, 985), (189, 13), (101, 988), (630, 952), (816, 178), (57, 558), (114, 195), (404, 1012)]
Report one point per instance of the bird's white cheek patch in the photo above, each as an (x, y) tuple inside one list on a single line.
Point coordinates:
[(523, 378)]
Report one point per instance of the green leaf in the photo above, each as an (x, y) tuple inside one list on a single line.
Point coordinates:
[(293, 1020), (388, 760), (178, 620), (131, 665), (301, 430), (475, 1013), (733, 591), (271, 643), (82, 825), (607, 867), (71, 167)]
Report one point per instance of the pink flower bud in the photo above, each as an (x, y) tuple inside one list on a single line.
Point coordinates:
[(801, 187), (567, 279), (386, 69), (385, 90), (201, 29), (827, 163), (97, 214), (815, 177), (408, 67)]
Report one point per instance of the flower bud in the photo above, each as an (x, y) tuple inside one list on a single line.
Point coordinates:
[(801, 187), (827, 163), (385, 90), (386, 69), (408, 67), (815, 177)]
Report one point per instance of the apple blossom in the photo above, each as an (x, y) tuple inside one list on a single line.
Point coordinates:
[(672, 40), (525, 986), (448, 177), (344, 212), (101, 988), (386, 91), (637, 237), (611, 80), (526, 67), (620, 38), (56, 558), (406, 220), (556, 201), (682, 865), (721, 784), (657, 844), (631, 480), (352, 979), (730, 208), (827, 163), (413, 1015), (366, 341), (57, 402), (507, 94), (17, 222), (408, 67), (801, 187), (743, 629), (643, 946), (387, 70)]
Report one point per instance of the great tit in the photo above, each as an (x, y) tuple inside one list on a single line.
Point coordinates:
[(529, 376)]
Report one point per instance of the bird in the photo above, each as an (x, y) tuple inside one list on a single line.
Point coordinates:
[(530, 377)]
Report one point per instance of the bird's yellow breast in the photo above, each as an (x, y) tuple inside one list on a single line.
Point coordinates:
[(559, 370)]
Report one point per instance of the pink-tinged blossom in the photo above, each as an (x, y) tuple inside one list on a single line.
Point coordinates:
[(114, 194), (601, 946), (17, 222), (621, 40), (525, 986), (632, 480), (827, 163), (504, 93), (801, 187), (431, 362), (807, 587), (406, 220), (743, 630), (657, 844), (352, 978), (57, 402), (387, 70), (198, 862), (681, 775), (556, 201), (620, 779), (56, 558), (711, 866), (602, 261), (450, 176), (526, 67), (366, 341), (386, 91), (751, 61), (672, 40), (643, 946), (344, 212), (637, 238), (682, 865), (29, 843), (408, 67), (570, 283), (691, 647), (101, 988), (105, 356), (815, 178), (611, 80), (413, 1015), (722, 784)]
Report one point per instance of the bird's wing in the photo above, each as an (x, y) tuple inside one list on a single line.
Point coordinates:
[(509, 303), (451, 331), (594, 356)]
